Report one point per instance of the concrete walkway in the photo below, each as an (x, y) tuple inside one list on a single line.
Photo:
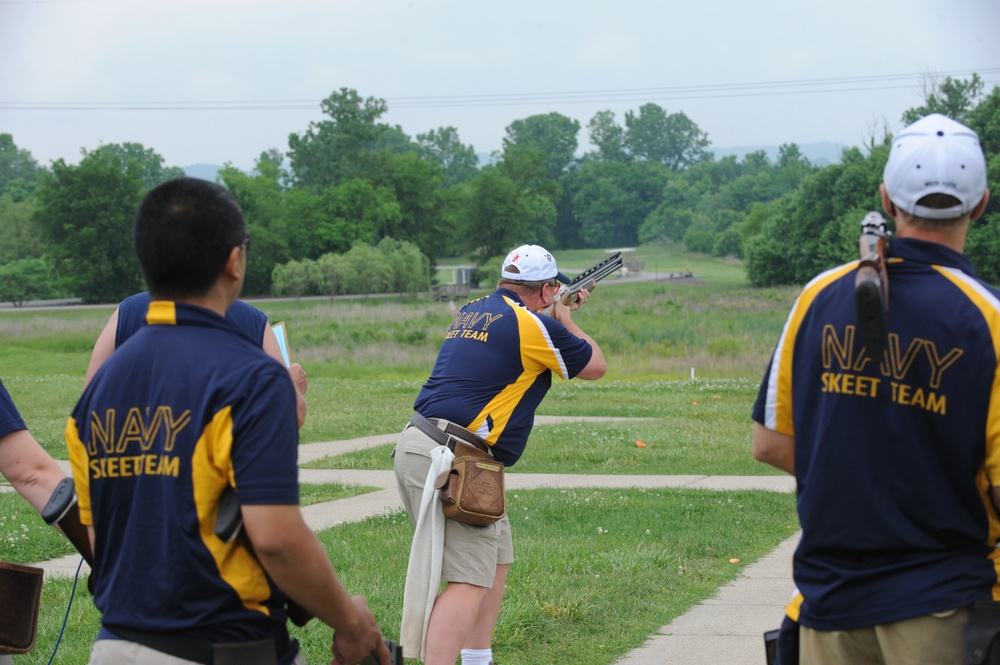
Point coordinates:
[(726, 629)]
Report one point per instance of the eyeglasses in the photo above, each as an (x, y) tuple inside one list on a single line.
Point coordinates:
[(246, 243)]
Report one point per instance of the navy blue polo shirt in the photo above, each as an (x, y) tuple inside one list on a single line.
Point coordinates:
[(894, 456)]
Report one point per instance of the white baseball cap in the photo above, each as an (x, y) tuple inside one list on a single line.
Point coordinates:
[(531, 263), (936, 155)]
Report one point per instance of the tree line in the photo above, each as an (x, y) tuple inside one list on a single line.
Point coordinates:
[(355, 205)]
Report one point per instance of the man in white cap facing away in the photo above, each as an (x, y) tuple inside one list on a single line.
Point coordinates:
[(896, 458), (495, 366)]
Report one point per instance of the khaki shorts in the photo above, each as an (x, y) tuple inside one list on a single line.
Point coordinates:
[(471, 553), (934, 639)]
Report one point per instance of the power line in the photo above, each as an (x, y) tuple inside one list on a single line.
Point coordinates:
[(674, 93)]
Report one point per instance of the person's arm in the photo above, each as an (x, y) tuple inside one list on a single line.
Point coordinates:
[(774, 448), (273, 349), (103, 348), (30, 470), (297, 563), (598, 366)]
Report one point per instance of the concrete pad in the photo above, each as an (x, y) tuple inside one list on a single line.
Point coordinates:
[(697, 650), (729, 627), (314, 451), (378, 478), (321, 516)]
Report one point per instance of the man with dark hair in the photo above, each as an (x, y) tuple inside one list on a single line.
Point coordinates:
[(185, 409), (494, 368), (896, 458)]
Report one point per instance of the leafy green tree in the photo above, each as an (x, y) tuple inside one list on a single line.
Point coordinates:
[(608, 137), (755, 162), (18, 234), (85, 215), (27, 279), (816, 226), (367, 271), (261, 197), (290, 279), (612, 200), (983, 248), (554, 134), (417, 185), (304, 213), (539, 154), (527, 167), (260, 194), (670, 219), (700, 235), (499, 218), (267, 250), (137, 159), (17, 165), (985, 119), (355, 211), (954, 98), (409, 269), (666, 225), (673, 139), (728, 243), (343, 146), (331, 274), (458, 161)]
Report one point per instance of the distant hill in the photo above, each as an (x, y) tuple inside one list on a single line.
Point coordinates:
[(818, 154)]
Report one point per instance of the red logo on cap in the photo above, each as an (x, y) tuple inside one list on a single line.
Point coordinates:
[(516, 257)]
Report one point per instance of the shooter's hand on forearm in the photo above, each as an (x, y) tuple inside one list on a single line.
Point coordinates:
[(582, 296), (560, 311)]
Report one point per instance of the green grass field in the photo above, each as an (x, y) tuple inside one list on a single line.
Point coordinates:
[(597, 571)]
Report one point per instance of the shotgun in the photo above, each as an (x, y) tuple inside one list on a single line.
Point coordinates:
[(587, 279), (871, 285)]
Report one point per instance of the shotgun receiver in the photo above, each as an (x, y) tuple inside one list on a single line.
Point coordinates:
[(871, 285), (586, 280)]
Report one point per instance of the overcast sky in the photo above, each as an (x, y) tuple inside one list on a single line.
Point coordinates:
[(199, 81)]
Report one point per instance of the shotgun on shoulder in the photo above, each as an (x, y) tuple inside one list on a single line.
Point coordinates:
[(871, 285)]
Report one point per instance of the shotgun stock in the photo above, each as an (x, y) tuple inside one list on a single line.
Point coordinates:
[(62, 511), (871, 285)]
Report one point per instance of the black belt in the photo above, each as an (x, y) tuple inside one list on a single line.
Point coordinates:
[(429, 426), (203, 651)]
